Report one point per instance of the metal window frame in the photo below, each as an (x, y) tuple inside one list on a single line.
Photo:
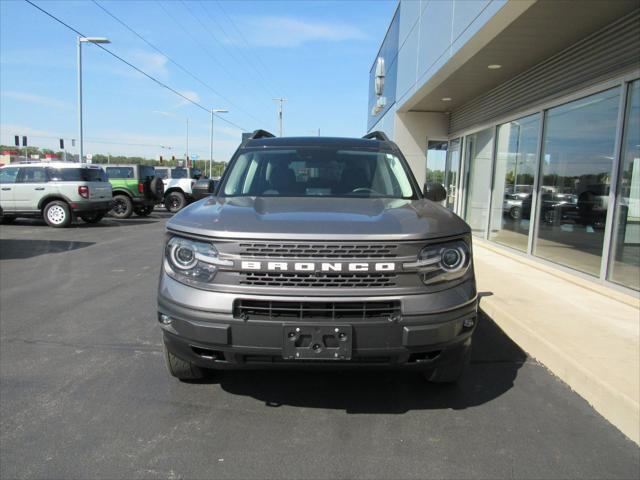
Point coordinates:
[(622, 81)]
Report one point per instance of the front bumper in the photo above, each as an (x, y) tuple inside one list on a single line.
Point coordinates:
[(433, 329), (91, 206)]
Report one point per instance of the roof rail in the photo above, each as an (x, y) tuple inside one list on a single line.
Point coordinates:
[(261, 134), (377, 135)]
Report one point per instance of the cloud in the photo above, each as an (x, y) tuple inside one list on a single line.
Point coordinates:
[(40, 100), (151, 62), (281, 31), (191, 95)]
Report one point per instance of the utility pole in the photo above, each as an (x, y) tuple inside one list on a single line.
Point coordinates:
[(213, 112), (187, 154), (281, 101)]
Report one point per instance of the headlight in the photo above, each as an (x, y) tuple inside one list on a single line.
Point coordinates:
[(443, 262), (192, 262)]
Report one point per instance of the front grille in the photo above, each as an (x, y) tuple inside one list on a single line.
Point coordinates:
[(302, 311), (317, 250), (326, 280)]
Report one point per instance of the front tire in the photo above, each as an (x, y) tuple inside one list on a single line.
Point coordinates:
[(93, 217), (57, 214), (143, 211), (181, 369), (175, 201), (122, 207)]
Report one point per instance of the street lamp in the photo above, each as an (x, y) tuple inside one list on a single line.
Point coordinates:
[(213, 110), (82, 40)]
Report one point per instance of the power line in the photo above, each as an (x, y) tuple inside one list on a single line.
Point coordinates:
[(244, 39), (139, 70), (203, 47), (246, 59), (184, 69)]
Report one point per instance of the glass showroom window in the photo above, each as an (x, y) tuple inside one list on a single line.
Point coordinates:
[(624, 267), (577, 159), (478, 161), (436, 160), (452, 174), (514, 172)]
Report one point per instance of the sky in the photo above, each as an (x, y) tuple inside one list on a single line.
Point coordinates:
[(233, 55)]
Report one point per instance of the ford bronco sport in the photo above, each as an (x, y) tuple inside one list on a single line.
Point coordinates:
[(56, 192), (136, 189), (318, 252)]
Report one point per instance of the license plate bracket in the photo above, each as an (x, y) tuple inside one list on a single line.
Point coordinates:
[(317, 342)]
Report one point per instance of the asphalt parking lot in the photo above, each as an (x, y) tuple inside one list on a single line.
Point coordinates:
[(84, 392)]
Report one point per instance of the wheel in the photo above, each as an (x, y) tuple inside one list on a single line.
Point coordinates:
[(122, 206), (143, 211), (7, 219), (450, 372), (57, 214), (515, 213), (174, 202), (93, 217), (181, 369)]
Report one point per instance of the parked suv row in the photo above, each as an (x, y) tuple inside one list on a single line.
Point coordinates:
[(56, 192)]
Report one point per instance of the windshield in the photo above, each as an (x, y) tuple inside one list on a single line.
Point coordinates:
[(318, 172)]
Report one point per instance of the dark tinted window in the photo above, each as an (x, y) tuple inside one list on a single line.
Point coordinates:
[(120, 172), (317, 171), (8, 175), (146, 171), (179, 173), (32, 175), (77, 175)]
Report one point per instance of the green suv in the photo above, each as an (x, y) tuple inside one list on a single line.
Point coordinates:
[(136, 189)]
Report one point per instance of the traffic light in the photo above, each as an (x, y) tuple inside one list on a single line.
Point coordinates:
[(62, 144), (173, 158), (160, 159), (24, 141), (17, 140)]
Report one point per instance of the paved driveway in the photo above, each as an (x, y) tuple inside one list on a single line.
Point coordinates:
[(84, 393)]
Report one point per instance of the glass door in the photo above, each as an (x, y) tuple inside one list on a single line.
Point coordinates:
[(452, 173)]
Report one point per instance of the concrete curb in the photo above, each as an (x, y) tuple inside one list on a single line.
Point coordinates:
[(616, 407)]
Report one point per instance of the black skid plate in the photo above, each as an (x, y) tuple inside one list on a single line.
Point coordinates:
[(317, 342)]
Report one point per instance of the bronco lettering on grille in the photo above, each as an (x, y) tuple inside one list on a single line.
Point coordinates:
[(318, 266)]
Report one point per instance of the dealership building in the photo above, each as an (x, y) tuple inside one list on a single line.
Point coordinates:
[(528, 113)]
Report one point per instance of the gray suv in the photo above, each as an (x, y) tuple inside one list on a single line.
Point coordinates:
[(57, 192), (318, 252)]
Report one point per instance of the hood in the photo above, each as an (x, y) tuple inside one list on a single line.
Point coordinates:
[(301, 218)]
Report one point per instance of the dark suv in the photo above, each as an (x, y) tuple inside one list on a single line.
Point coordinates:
[(318, 252)]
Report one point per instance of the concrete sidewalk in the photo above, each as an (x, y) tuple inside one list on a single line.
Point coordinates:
[(587, 335)]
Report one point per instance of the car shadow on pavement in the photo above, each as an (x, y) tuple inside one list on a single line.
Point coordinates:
[(494, 367), (20, 249)]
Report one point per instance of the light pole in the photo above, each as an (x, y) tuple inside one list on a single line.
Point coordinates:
[(213, 111), (82, 40)]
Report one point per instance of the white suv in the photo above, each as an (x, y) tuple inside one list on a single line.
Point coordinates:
[(57, 192), (178, 186)]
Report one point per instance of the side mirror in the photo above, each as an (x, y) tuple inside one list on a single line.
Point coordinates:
[(434, 192), (203, 188)]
